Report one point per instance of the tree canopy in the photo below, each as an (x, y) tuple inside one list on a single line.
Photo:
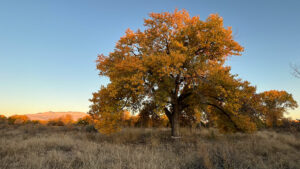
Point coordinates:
[(274, 104)]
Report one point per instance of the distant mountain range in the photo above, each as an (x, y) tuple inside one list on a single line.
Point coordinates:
[(53, 115)]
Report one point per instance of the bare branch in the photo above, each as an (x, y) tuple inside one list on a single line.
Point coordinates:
[(296, 70)]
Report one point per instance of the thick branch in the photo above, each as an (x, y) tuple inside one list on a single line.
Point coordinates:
[(226, 114), (184, 96)]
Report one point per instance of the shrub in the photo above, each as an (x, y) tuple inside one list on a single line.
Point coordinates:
[(84, 121), (61, 121), (90, 128), (55, 122), (3, 119), (290, 125), (18, 119)]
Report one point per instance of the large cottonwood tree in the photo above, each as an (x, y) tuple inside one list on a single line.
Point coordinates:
[(176, 65)]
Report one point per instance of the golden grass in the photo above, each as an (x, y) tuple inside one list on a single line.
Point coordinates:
[(53, 147)]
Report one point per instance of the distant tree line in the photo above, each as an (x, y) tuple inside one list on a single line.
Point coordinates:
[(148, 120)]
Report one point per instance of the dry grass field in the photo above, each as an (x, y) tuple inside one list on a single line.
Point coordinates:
[(49, 147)]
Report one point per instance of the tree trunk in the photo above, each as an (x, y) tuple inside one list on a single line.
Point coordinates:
[(174, 121), (175, 124)]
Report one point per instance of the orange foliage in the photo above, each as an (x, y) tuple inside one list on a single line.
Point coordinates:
[(2, 117), (145, 120), (108, 123), (18, 119), (44, 122), (86, 120), (67, 119), (129, 120), (274, 105), (126, 115), (164, 120), (133, 120), (61, 121)]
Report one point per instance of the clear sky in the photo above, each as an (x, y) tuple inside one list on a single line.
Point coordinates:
[(48, 48)]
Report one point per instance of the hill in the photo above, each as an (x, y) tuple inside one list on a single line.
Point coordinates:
[(53, 115)]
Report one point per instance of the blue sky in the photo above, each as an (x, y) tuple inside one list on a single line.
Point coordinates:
[(48, 48)]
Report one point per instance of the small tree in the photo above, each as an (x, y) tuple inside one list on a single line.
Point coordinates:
[(84, 121), (3, 119), (274, 104), (18, 119), (67, 119)]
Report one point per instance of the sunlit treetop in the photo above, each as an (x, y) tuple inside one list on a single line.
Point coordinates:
[(2, 116), (278, 99)]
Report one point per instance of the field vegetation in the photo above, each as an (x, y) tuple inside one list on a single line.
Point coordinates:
[(79, 145), (35, 146)]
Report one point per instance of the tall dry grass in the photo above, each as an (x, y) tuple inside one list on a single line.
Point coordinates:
[(53, 147)]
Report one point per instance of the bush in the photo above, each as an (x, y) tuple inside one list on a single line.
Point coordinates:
[(289, 125), (55, 122), (90, 128), (18, 119), (61, 121), (35, 122), (84, 121), (3, 119)]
